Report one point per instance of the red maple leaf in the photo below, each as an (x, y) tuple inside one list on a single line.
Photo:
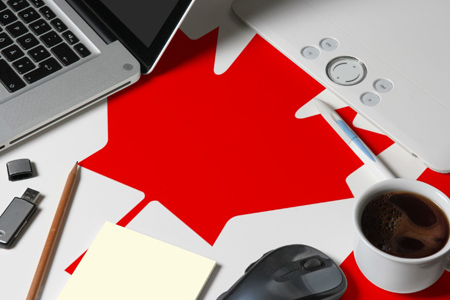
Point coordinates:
[(210, 147)]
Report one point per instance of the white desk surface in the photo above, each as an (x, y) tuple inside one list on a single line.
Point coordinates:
[(99, 199)]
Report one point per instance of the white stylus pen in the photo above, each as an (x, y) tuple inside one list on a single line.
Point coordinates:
[(354, 142)]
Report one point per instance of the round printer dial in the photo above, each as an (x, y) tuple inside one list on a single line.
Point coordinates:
[(346, 70)]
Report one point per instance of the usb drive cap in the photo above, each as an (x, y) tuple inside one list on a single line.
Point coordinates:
[(19, 169)]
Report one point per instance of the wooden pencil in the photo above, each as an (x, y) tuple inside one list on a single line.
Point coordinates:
[(50, 243)]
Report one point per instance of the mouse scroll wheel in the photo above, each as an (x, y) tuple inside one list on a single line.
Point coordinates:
[(312, 264)]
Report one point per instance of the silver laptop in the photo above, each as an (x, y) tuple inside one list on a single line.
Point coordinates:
[(389, 60), (58, 57)]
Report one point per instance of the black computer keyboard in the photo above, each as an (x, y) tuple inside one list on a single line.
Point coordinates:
[(34, 43)]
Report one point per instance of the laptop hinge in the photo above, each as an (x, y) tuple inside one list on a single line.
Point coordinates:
[(91, 18)]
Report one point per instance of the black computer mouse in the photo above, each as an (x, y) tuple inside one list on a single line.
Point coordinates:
[(291, 272)]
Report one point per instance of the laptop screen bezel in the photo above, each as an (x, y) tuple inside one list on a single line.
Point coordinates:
[(146, 55)]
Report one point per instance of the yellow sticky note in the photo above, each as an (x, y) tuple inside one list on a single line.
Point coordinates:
[(124, 264)]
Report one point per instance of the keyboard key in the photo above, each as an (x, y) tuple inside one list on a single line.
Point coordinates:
[(40, 26), (51, 39), (46, 68), (17, 5), (27, 41), (17, 29), (59, 25), (7, 17), (2, 5), (39, 53), (47, 13), (5, 40), (82, 50), (65, 54), (29, 15), (37, 3), (70, 37), (12, 53), (23, 65), (9, 78)]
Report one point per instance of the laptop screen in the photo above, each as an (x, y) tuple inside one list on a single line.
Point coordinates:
[(144, 27), (144, 18)]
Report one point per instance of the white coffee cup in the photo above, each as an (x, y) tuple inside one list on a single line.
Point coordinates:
[(392, 273)]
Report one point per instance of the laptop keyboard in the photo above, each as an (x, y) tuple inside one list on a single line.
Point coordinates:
[(34, 43)]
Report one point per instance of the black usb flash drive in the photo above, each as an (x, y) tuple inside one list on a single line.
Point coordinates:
[(16, 215)]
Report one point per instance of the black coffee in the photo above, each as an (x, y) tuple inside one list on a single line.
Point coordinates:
[(405, 225)]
